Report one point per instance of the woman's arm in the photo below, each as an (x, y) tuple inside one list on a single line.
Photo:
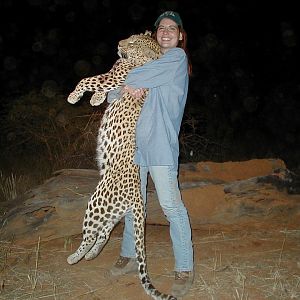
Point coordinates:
[(157, 72)]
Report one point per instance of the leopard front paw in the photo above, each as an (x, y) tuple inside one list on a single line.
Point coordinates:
[(94, 252), (73, 98), (98, 98), (73, 259)]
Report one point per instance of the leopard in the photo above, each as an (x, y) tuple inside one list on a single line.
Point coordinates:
[(119, 188), (133, 52)]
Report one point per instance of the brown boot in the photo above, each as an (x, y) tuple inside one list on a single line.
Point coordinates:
[(124, 265), (182, 284)]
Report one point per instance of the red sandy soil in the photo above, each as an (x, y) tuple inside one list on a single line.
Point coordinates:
[(248, 260)]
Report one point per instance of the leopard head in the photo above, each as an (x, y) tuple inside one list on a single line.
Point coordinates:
[(139, 48)]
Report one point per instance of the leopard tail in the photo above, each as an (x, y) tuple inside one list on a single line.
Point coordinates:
[(141, 258)]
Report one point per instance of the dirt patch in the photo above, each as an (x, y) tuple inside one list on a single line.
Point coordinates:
[(246, 237), (229, 264)]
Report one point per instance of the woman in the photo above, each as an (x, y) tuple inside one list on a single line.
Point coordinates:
[(157, 145)]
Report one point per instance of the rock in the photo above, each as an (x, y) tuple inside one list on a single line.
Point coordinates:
[(53, 209), (229, 171), (214, 193)]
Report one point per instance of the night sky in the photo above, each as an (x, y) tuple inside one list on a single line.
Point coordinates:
[(245, 86)]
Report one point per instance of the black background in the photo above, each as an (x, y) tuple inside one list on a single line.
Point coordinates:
[(244, 91)]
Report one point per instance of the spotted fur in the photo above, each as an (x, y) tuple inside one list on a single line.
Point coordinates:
[(133, 52), (118, 190)]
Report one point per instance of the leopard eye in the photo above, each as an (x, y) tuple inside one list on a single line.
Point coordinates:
[(132, 44)]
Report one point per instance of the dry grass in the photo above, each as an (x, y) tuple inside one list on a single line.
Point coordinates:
[(49, 147), (196, 146), (41, 139), (268, 273), (11, 186), (231, 265)]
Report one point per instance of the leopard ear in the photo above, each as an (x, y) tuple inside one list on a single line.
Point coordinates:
[(148, 32)]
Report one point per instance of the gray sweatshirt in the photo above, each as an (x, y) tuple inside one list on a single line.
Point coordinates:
[(159, 123)]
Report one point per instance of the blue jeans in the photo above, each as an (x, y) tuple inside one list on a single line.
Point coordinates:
[(166, 185)]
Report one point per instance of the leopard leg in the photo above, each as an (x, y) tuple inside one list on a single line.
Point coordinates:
[(101, 241), (89, 230), (97, 248), (84, 85), (104, 234), (84, 247)]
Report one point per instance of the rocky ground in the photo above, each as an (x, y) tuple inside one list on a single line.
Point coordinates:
[(246, 235)]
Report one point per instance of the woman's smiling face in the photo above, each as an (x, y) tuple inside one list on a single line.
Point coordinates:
[(167, 34)]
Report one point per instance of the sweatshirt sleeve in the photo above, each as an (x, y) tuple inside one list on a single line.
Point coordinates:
[(113, 95), (157, 72)]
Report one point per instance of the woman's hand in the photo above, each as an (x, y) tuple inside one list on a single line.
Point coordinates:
[(135, 93)]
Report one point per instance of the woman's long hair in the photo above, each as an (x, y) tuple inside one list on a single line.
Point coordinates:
[(183, 45)]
